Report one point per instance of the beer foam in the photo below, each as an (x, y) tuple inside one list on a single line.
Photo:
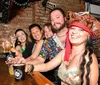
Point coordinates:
[(19, 64)]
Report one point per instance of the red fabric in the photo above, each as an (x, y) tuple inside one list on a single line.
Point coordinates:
[(81, 26), (68, 45), (68, 48)]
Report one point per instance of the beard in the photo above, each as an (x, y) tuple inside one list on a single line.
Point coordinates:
[(55, 30)]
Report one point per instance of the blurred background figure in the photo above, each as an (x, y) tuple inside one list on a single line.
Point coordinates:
[(6, 45)]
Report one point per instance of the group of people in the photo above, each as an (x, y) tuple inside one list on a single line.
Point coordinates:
[(22, 43), (65, 48)]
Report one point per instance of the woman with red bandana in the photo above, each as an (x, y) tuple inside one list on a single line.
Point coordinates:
[(79, 64)]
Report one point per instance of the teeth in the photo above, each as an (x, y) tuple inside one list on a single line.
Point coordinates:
[(73, 37)]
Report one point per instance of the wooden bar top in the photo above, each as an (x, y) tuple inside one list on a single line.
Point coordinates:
[(34, 78), (38, 77)]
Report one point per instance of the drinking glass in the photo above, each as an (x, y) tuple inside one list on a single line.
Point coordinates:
[(19, 71), (7, 51)]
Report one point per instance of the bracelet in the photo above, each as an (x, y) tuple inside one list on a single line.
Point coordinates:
[(31, 67)]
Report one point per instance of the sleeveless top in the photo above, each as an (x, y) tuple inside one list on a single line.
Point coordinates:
[(28, 50), (69, 76)]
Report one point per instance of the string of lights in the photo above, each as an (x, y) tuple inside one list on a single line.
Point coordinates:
[(21, 2)]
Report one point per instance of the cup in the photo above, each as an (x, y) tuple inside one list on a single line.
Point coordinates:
[(19, 71), (10, 55)]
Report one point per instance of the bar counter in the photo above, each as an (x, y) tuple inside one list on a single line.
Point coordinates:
[(34, 78)]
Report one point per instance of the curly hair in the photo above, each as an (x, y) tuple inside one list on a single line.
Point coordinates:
[(89, 48)]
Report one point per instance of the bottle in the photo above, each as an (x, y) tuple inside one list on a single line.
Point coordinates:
[(10, 55)]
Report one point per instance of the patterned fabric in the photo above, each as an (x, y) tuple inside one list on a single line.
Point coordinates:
[(49, 49), (69, 76)]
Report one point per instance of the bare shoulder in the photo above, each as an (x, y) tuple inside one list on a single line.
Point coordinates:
[(94, 70), (94, 63), (94, 57)]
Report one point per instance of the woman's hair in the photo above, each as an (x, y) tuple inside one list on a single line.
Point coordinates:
[(89, 48), (17, 41), (48, 25)]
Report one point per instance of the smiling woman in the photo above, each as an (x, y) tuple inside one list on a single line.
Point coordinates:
[(22, 43)]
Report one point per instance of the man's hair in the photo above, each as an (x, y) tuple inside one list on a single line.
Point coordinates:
[(34, 25), (59, 9)]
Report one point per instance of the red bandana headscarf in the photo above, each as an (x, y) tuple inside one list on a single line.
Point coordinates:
[(68, 45)]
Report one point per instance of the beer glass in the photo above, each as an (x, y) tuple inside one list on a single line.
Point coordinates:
[(19, 71)]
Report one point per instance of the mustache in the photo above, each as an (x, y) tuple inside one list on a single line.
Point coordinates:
[(55, 30), (56, 23), (53, 27)]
